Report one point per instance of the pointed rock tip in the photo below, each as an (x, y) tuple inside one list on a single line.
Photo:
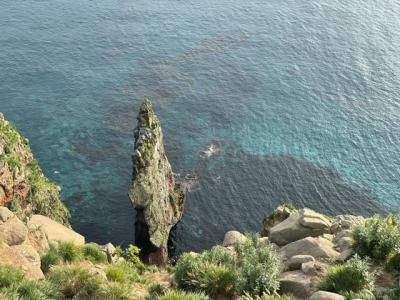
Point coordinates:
[(146, 106)]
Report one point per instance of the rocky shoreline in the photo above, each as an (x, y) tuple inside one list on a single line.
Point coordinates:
[(298, 253)]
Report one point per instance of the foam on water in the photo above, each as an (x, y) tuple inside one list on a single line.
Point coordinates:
[(260, 101)]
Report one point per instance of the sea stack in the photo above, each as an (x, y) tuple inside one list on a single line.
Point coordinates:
[(155, 195)]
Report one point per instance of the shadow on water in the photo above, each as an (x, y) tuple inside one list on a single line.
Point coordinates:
[(237, 189)]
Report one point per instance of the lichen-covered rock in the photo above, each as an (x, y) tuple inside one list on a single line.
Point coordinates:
[(23, 187), (300, 224), (232, 238), (280, 214), (153, 191)]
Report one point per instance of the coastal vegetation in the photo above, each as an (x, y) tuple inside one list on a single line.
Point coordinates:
[(299, 253)]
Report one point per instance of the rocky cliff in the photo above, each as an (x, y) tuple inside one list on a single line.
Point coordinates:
[(23, 187), (153, 191)]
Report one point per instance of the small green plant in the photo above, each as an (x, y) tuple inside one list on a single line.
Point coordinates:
[(360, 295), (74, 282), (353, 276), (393, 263), (68, 251), (156, 290), (51, 258), (123, 272), (93, 253), (10, 276), (116, 291), (180, 295), (37, 290), (14, 206), (378, 237)]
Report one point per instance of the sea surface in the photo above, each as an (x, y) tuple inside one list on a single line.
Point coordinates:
[(261, 102)]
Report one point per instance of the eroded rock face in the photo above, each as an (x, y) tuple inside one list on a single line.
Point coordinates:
[(22, 183), (157, 199)]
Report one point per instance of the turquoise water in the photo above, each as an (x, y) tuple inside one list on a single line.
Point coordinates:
[(300, 101)]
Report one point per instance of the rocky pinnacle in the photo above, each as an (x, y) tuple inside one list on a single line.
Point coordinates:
[(157, 199)]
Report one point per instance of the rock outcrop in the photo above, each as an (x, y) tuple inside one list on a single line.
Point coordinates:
[(300, 224), (23, 187), (155, 195)]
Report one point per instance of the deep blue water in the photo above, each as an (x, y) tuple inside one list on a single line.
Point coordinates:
[(300, 98)]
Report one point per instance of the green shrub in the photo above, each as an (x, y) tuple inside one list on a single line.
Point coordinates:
[(180, 295), (393, 263), (123, 272), (10, 276), (130, 254), (37, 290), (156, 290), (14, 206), (353, 276), (377, 237), (359, 295), (93, 253), (68, 251), (51, 258), (258, 268), (253, 270), (73, 281), (116, 291), (201, 273)]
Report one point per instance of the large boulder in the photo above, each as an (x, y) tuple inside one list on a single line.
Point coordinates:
[(316, 247), (12, 230), (300, 224), (295, 262), (232, 238), (296, 283), (23, 257), (157, 199), (280, 214), (54, 231), (321, 295)]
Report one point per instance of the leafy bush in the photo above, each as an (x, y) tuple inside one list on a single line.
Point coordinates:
[(258, 268), (202, 273), (93, 253), (73, 281), (180, 295), (353, 276), (123, 272), (378, 237), (130, 254), (253, 270)]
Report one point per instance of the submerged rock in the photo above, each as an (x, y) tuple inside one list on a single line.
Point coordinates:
[(156, 197)]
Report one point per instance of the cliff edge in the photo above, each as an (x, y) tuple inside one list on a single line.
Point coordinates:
[(156, 197), (23, 187)]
